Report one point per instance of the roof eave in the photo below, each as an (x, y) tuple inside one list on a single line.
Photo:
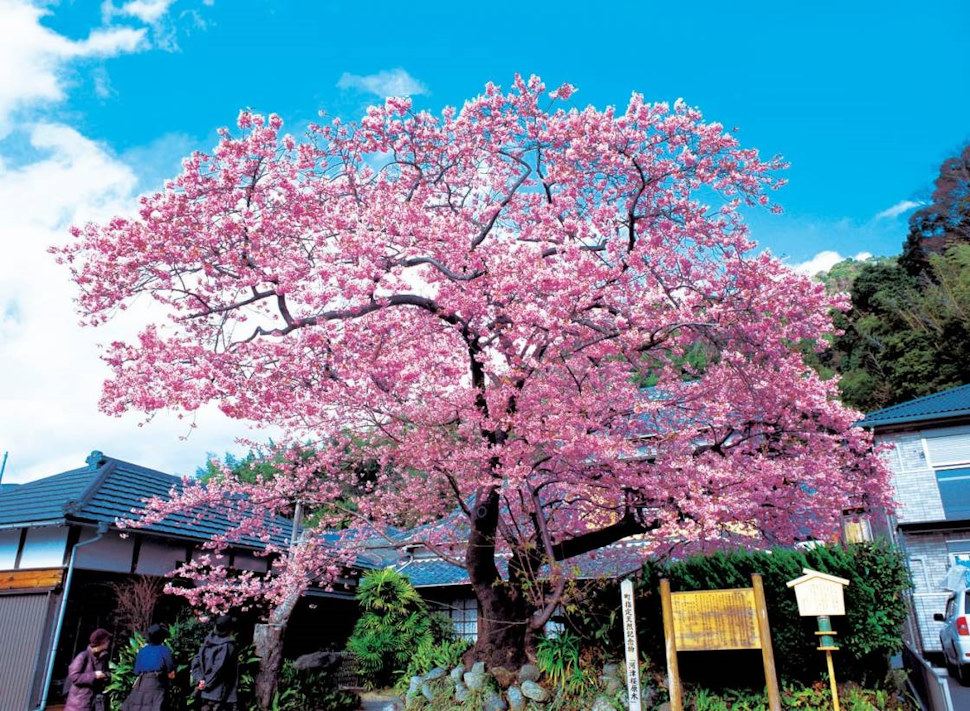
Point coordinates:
[(907, 422)]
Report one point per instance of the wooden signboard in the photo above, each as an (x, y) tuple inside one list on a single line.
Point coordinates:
[(819, 594), (714, 620), (31, 579)]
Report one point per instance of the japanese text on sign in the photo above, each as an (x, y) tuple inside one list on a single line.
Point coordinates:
[(630, 644), (715, 619)]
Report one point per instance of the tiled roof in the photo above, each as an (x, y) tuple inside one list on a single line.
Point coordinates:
[(951, 403), (44, 500), (109, 489), (610, 562)]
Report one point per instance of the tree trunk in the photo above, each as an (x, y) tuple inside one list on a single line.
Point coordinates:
[(268, 640), (504, 635), (508, 626)]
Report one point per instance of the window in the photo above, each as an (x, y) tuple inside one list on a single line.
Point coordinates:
[(464, 615), (856, 529), (955, 492)]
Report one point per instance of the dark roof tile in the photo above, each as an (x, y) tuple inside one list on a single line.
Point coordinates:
[(947, 404)]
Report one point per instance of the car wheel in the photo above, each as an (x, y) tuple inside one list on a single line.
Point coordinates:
[(946, 660), (963, 674)]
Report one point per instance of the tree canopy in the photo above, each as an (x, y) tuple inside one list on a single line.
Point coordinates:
[(482, 296), (908, 331)]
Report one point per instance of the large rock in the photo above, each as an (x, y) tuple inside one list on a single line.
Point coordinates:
[(317, 660), (503, 677), (461, 693), (533, 691), (516, 699), (427, 691), (474, 679), (457, 673), (611, 670), (495, 702), (611, 685), (601, 703), (435, 673), (529, 672)]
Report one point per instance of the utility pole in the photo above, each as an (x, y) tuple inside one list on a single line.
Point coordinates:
[(3, 465)]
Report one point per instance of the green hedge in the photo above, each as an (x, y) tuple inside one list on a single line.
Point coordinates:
[(869, 633)]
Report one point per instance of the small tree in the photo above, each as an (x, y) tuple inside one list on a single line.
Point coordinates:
[(394, 624), (135, 602)]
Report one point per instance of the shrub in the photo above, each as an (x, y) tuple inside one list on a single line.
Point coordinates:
[(309, 690), (431, 653), (394, 626)]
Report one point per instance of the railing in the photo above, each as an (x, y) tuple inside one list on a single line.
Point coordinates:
[(928, 683)]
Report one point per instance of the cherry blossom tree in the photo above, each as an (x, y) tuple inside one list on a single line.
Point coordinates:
[(505, 300), (277, 504)]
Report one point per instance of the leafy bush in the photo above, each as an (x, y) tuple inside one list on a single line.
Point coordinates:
[(394, 626), (431, 653), (123, 670), (816, 697), (558, 658), (308, 690)]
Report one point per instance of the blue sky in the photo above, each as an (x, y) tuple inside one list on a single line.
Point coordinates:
[(100, 100)]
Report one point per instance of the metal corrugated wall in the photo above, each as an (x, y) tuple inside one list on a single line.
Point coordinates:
[(22, 621)]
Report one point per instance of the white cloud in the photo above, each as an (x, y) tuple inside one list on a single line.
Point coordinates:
[(825, 260), (394, 82), (148, 11), (33, 58), (53, 373), (109, 42), (898, 209), (153, 13), (51, 368), (102, 83)]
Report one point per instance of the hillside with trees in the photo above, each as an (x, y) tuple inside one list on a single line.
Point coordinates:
[(907, 333)]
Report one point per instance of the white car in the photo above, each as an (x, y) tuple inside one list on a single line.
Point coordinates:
[(955, 635)]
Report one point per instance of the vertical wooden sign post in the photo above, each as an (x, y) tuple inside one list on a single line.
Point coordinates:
[(630, 645), (820, 595), (712, 620)]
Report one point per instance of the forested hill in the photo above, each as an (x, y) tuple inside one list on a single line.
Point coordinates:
[(908, 331)]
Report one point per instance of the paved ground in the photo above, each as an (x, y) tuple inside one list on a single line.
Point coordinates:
[(960, 695), (376, 701)]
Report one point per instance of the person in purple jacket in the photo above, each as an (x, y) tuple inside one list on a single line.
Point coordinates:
[(154, 669), (88, 674)]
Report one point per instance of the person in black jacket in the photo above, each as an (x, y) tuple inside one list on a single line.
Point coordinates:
[(215, 668)]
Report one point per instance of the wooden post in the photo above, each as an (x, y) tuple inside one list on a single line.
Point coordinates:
[(767, 653), (673, 673), (835, 689), (633, 691)]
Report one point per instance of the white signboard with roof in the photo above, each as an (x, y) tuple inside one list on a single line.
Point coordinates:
[(819, 594)]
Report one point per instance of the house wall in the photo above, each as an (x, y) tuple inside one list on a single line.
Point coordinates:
[(930, 555), (916, 458)]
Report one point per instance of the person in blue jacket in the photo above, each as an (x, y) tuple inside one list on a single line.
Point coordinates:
[(154, 669)]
